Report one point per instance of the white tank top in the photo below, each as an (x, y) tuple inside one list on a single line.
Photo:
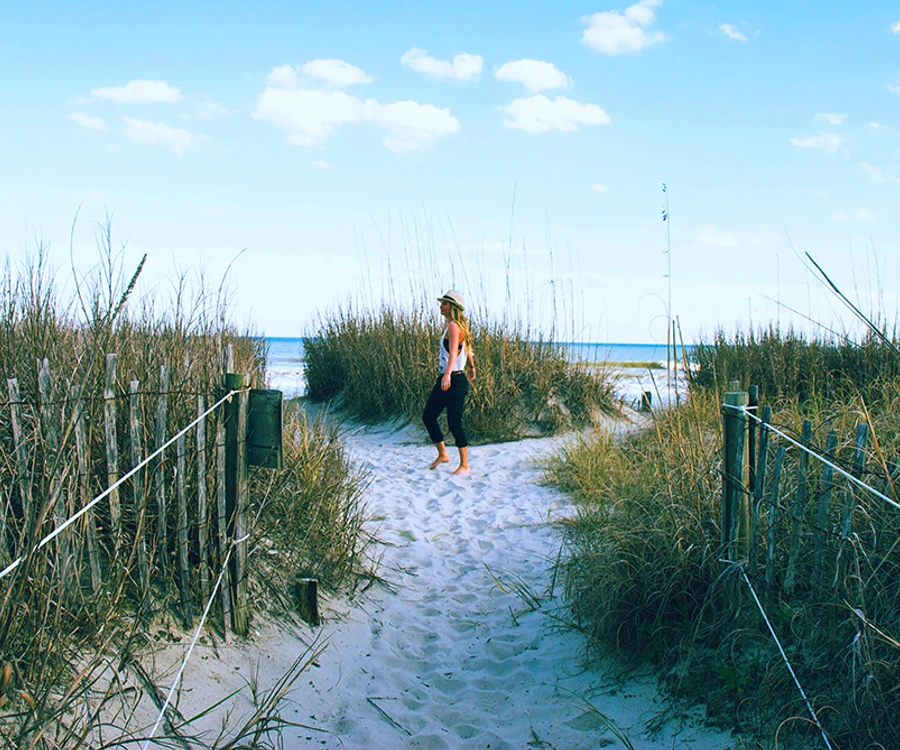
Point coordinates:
[(444, 356)]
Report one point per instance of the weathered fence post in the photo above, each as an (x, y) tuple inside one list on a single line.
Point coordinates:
[(735, 479), (82, 449), (773, 522), (236, 480), (799, 508), (222, 522), (859, 462), (752, 404), (162, 413), (758, 479), (140, 500), (184, 584), (112, 450), (23, 474), (50, 428), (823, 503), (202, 514)]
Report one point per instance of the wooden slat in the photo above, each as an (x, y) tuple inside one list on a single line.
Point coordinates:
[(773, 524), (112, 451), (162, 419), (222, 521), (184, 584), (23, 472), (50, 432), (202, 512), (82, 449), (140, 499)]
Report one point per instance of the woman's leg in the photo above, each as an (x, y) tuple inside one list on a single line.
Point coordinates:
[(456, 400), (433, 408)]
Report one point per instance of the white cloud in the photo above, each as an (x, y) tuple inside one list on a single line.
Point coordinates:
[(877, 175), (411, 126), (828, 141), (538, 114), (614, 33), (319, 164), (895, 27), (861, 214), (308, 116), (157, 134), (142, 92), (714, 237), (211, 110), (894, 88), (338, 72), (830, 117), (462, 67), (535, 75), (599, 188), (874, 125), (88, 121), (731, 32)]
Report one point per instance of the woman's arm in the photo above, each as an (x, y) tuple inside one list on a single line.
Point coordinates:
[(470, 363), (453, 335)]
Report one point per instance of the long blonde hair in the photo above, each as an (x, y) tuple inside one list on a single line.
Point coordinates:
[(465, 332)]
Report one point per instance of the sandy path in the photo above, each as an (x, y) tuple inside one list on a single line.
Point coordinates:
[(456, 654), (451, 659)]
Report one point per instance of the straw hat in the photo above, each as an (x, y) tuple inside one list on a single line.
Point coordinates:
[(454, 298)]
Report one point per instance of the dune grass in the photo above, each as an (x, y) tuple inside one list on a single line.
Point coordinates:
[(380, 364), (66, 651), (642, 567)]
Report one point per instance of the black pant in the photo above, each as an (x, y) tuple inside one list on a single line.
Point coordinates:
[(453, 400)]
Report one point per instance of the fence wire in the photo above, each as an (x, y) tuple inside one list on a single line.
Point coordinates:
[(842, 472), (68, 522)]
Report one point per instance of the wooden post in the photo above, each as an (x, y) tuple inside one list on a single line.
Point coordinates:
[(752, 404), (202, 513), (306, 591), (773, 523), (236, 477), (823, 503), (112, 450), (758, 480), (140, 499), (82, 449), (859, 462), (222, 521), (184, 584), (799, 509), (30, 514), (50, 430), (735, 480), (162, 413)]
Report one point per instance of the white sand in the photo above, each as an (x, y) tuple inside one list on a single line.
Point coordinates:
[(452, 656)]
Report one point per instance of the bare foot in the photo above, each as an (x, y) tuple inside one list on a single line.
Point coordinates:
[(438, 461), (461, 470)]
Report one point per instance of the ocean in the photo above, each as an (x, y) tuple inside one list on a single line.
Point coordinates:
[(285, 366)]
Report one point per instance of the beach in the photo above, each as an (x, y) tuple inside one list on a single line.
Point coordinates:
[(463, 645)]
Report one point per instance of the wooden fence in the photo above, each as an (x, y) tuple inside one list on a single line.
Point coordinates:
[(793, 518), (163, 534)]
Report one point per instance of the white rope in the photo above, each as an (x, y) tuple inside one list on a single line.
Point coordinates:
[(62, 527), (187, 656), (816, 455), (787, 663)]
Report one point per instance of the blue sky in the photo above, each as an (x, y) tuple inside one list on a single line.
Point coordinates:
[(326, 138)]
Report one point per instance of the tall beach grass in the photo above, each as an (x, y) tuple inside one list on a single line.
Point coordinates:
[(643, 566), (66, 653)]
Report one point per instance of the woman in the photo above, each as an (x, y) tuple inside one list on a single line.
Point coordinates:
[(456, 365)]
